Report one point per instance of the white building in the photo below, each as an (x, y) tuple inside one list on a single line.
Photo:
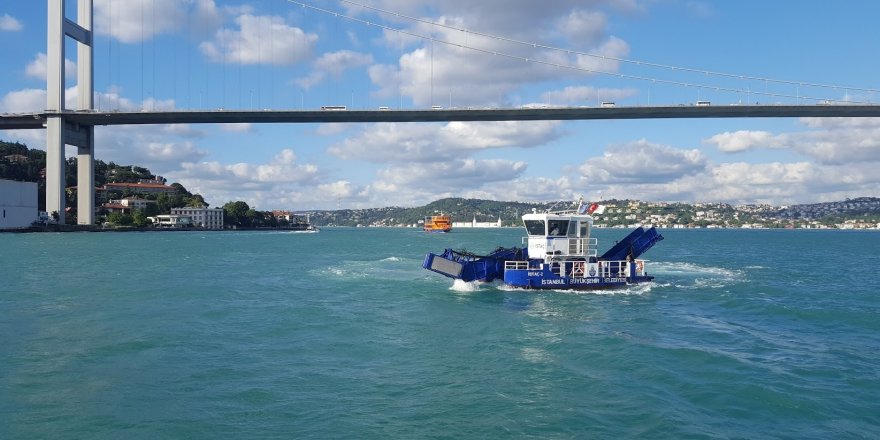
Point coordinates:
[(126, 205), (207, 218), (171, 221), (134, 202), (475, 224), (18, 204)]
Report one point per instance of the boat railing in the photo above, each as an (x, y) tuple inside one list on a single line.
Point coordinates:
[(580, 269), (614, 268), (605, 268), (583, 246), (566, 247)]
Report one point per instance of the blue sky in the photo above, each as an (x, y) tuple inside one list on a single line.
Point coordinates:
[(189, 54)]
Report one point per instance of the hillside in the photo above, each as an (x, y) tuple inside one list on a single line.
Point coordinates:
[(460, 209), (18, 162), (863, 212)]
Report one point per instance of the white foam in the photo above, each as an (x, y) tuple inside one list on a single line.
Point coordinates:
[(686, 275), (692, 269), (465, 286), (630, 289)]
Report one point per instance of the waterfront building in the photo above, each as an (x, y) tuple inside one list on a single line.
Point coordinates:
[(283, 215), (207, 218), (171, 221), (475, 224), (18, 204), (126, 205)]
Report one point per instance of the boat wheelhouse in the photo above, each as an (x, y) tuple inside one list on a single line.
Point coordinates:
[(558, 253)]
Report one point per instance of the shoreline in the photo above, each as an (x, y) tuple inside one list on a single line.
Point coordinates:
[(96, 228)]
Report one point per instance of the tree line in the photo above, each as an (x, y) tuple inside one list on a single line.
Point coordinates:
[(18, 162)]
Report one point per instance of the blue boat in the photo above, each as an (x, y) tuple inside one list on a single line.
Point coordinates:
[(558, 253)]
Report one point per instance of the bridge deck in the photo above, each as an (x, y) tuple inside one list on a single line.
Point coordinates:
[(37, 120)]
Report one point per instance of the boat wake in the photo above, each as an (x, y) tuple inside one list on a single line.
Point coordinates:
[(693, 276), (390, 268), (465, 286)]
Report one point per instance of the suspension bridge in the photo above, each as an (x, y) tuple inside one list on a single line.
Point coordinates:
[(76, 127)]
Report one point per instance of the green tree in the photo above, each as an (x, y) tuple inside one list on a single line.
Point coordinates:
[(180, 189), (139, 218), (196, 201), (163, 204), (114, 218), (236, 213)]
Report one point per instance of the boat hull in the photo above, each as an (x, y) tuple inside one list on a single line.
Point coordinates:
[(545, 279)]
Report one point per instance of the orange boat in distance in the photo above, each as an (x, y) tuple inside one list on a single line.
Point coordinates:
[(438, 223)]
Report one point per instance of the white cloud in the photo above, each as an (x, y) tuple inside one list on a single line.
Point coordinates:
[(9, 23), (38, 68), (654, 172), (390, 142), (280, 183), (283, 168), (403, 185), (456, 175), (158, 148), (833, 140), (642, 162), (259, 40), (601, 59), (840, 123), (333, 63), (23, 101), (134, 21), (34, 100), (584, 28), (437, 73), (744, 140)]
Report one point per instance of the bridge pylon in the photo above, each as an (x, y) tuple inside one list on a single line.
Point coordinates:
[(59, 132)]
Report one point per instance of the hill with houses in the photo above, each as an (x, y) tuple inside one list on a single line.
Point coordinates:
[(18, 162)]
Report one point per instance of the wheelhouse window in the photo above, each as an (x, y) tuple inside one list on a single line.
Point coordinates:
[(535, 227), (557, 228)]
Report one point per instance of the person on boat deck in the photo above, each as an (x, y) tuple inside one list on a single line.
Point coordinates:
[(555, 231)]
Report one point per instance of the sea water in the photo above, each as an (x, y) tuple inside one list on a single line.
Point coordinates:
[(342, 334)]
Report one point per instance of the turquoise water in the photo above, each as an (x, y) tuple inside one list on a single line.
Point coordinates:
[(342, 334)]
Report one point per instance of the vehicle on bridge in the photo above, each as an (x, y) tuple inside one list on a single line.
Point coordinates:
[(334, 107)]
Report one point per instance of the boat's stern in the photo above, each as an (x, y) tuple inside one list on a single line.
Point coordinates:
[(444, 265)]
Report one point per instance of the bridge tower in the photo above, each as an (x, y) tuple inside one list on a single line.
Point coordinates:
[(60, 132)]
